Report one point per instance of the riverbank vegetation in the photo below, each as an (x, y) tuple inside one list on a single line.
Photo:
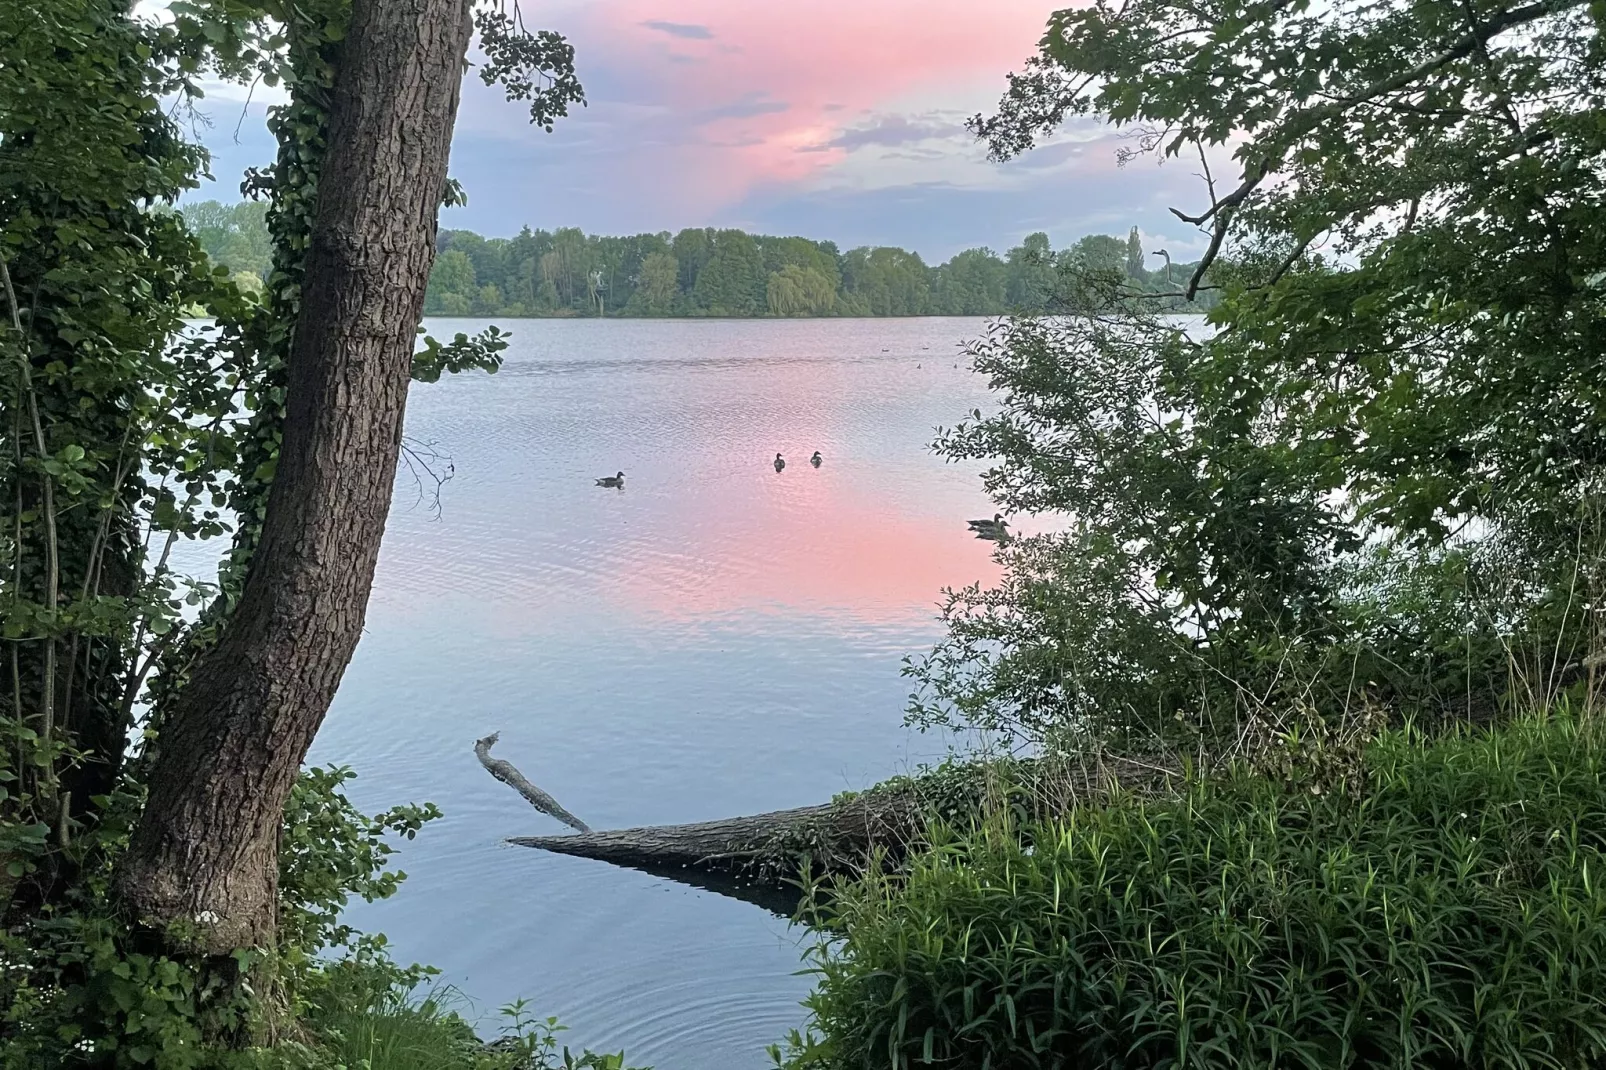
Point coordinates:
[(709, 272), (1337, 572), (1442, 910)]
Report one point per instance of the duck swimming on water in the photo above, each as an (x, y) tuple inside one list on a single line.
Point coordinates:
[(816, 459), (612, 481), (995, 529), (780, 462)]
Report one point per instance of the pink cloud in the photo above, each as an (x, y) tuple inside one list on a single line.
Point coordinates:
[(770, 88)]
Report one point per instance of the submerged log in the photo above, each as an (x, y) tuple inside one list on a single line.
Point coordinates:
[(507, 774)]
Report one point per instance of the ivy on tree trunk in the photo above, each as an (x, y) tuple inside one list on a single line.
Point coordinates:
[(202, 866)]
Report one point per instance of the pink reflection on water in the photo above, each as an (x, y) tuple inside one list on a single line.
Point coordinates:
[(806, 542)]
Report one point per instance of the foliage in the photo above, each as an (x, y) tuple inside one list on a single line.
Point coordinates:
[(1198, 568), (328, 852), (731, 273), (1448, 913), (234, 236), (109, 431), (1378, 476), (79, 989), (537, 67), (482, 351), (124, 430), (567, 272)]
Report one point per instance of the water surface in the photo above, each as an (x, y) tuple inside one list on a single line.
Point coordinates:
[(715, 639)]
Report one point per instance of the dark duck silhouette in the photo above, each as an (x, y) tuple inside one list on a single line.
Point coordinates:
[(995, 529)]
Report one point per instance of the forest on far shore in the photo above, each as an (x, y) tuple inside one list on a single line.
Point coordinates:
[(709, 272)]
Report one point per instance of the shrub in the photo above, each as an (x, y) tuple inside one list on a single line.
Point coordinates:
[(1447, 913)]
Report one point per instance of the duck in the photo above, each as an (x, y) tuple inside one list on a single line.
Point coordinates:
[(612, 481), (780, 462), (996, 528), (816, 459)]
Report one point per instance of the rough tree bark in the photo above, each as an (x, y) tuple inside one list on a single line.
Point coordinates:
[(507, 774), (738, 845), (203, 864)]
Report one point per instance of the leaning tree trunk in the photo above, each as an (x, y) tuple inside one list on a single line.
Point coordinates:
[(205, 852)]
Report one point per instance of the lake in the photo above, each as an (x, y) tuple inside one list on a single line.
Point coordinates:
[(715, 639)]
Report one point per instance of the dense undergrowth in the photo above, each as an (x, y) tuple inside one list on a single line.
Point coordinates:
[(75, 991), (1448, 911)]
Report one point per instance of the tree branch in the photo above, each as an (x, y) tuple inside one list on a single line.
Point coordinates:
[(1304, 122), (514, 779)]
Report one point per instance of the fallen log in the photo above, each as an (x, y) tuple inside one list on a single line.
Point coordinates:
[(765, 858), (771, 848)]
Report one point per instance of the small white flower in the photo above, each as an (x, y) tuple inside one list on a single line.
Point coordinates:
[(206, 917)]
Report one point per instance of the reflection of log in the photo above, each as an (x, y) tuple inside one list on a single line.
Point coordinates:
[(514, 779), (779, 898)]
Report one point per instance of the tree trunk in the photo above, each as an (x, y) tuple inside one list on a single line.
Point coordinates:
[(759, 858), (202, 868), (751, 846)]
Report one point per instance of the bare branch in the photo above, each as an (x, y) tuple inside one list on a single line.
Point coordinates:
[(514, 779), (422, 457)]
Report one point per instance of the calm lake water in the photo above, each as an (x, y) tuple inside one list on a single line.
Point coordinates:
[(716, 639)]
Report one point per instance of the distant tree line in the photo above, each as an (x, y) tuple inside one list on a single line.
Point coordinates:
[(709, 272)]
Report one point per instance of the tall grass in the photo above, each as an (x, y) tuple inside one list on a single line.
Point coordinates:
[(393, 1032), (1447, 911), (360, 1017)]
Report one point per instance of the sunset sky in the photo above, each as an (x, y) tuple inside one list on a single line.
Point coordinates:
[(839, 119)]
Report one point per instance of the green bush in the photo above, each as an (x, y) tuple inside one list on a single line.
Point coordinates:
[(1450, 913)]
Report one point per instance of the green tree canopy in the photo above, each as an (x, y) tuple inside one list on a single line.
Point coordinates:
[(658, 285), (1381, 478), (570, 273)]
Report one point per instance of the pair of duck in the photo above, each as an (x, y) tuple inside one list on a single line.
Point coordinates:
[(618, 480), (996, 529), (780, 462)]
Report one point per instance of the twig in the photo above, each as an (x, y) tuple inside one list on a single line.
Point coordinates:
[(514, 779), (1290, 260)]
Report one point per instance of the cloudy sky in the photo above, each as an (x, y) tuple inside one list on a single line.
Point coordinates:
[(839, 119)]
